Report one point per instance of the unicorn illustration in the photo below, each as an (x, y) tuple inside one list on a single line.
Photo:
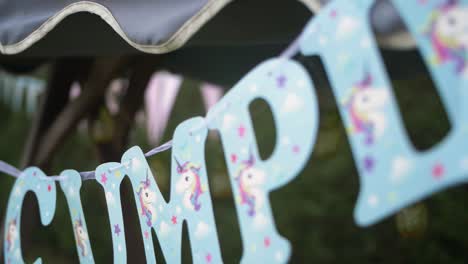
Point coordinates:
[(249, 181), (189, 183), (81, 237), (147, 200), (365, 107), (447, 30), (12, 235)]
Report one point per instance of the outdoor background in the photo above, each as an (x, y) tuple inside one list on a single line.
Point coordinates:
[(314, 211)]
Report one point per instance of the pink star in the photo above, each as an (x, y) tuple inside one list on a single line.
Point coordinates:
[(296, 149), (103, 178), (333, 13), (174, 219), (438, 171), (146, 234), (266, 241), (241, 131), (49, 188), (208, 258), (233, 158)]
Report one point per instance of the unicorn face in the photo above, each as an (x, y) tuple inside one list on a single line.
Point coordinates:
[(452, 26), (12, 230), (370, 99), (148, 197), (252, 177), (80, 233), (187, 180)]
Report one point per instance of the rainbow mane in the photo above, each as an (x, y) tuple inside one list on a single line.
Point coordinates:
[(144, 210), (81, 244), (196, 189), (359, 120), (9, 238), (445, 49), (246, 196)]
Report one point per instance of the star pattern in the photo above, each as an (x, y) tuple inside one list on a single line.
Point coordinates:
[(233, 158), (208, 258), (174, 219), (241, 131), (103, 178), (369, 163), (266, 241), (281, 81), (296, 149), (117, 229), (438, 171)]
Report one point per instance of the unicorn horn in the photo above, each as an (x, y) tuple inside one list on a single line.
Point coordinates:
[(179, 167), (366, 81), (251, 159), (451, 3)]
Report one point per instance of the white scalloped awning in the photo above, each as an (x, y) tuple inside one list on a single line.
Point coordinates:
[(151, 26)]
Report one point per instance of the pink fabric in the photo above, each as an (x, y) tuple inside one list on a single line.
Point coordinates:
[(211, 94), (159, 100)]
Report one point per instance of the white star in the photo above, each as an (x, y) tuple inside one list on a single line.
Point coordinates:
[(373, 200), (244, 150), (279, 256), (253, 88), (71, 191)]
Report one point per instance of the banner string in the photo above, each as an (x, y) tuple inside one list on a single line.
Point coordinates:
[(85, 175)]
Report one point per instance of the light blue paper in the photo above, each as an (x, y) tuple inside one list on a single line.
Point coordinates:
[(30, 179), (393, 173), (71, 188), (190, 200), (288, 90)]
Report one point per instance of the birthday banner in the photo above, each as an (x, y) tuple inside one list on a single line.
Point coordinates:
[(393, 173)]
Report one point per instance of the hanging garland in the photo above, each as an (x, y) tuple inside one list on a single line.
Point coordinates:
[(393, 174)]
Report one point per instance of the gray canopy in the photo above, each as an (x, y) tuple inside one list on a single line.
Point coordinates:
[(154, 26)]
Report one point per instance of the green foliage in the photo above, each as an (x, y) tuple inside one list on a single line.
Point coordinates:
[(315, 211)]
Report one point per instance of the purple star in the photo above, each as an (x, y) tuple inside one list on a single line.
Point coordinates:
[(368, 163), (117, 229), (281, 81)]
